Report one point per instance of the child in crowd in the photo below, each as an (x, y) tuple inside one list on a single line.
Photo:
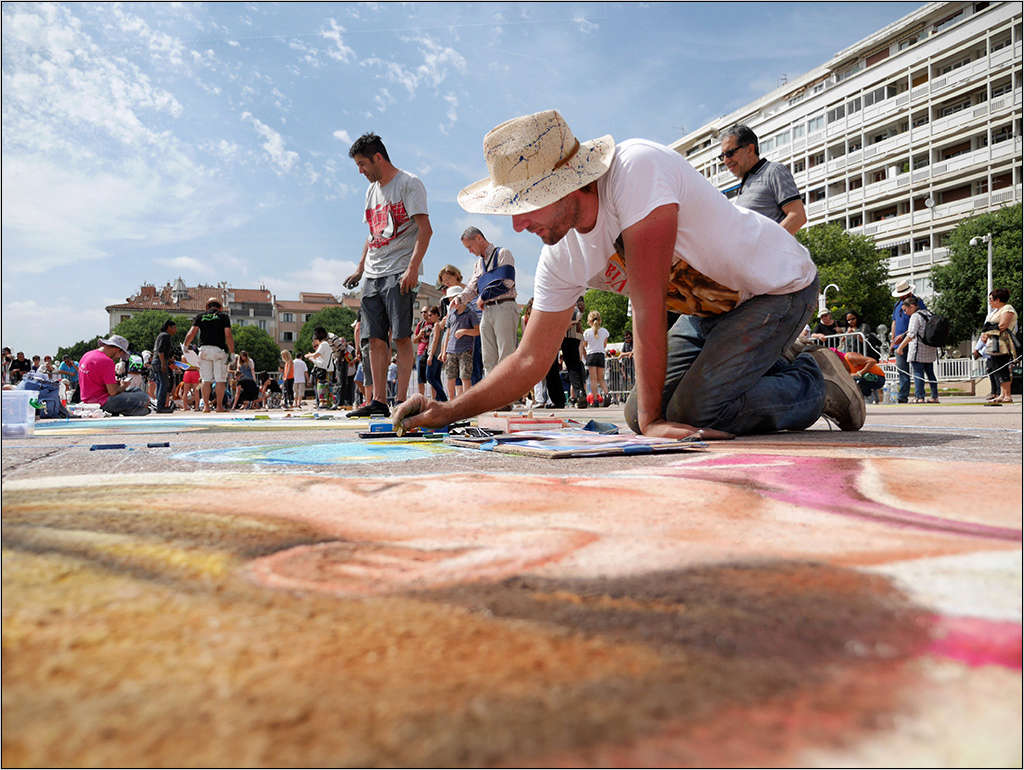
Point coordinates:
[(595, 337), (461, 326)]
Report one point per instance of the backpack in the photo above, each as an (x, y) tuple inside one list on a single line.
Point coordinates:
[(936, 329), (491, 283), (48, 396), (338, 346)]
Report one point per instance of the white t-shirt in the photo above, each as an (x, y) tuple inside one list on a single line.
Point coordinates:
[(724, 255), (595, 342), (299, 370), (389, 212)]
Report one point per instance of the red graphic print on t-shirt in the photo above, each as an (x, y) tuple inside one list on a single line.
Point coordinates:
[(386, 221)]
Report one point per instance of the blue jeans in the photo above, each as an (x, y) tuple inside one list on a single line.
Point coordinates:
[(903, 372), (163, 382), (131, 403), (727, 372), (434, 378), (924, 371)]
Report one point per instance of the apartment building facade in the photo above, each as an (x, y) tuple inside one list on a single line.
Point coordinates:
[(900, 136), (252, 307)]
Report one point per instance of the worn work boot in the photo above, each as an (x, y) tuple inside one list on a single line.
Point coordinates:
[(844, 403)]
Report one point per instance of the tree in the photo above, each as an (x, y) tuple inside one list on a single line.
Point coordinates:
[(334, 318), (79, 349), (856, 266), (961, 283), (612, 308), (141, 329), (260, 346)]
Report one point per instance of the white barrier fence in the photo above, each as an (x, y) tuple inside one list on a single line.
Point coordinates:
[(620, 372)]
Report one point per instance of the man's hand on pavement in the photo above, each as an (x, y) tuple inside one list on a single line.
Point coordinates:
[(420, 412), (666, 429)]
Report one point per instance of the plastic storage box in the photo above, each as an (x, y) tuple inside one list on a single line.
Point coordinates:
[(19, 416)]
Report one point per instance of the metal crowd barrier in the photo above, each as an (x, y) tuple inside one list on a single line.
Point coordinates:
[(619, 376)]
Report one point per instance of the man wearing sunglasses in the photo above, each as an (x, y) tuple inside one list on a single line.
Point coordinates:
[(766, 187)]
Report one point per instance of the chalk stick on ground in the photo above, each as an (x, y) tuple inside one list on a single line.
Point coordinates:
[(106, 446), (157, 444)]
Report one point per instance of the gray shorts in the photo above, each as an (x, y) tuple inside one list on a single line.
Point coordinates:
[(385, 309), (364, 351), (459, 366)]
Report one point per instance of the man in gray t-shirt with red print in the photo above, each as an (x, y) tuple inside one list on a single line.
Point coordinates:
[(396, 213)]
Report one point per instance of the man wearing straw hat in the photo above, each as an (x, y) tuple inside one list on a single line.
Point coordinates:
[(636, 218), (898, 330)]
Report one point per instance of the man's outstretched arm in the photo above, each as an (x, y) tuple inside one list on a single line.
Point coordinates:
[(509, 380)]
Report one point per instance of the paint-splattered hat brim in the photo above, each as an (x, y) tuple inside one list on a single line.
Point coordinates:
[(591, 161)]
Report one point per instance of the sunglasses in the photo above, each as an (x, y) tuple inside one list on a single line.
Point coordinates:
[(730, 153)]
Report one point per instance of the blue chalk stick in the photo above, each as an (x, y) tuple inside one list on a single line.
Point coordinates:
[(106, 446)]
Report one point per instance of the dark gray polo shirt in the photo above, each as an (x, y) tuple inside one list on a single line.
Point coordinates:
[(766, 188)]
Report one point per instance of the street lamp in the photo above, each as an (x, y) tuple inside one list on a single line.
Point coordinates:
[(987, 238), (822, 307)]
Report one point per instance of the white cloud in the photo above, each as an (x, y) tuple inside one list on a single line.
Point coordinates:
[(310, 55), (383, 99), (451, 115), (342, 136), (340, 51), (585, 26), (322, 275), (438, 62), (283, 159), (234, 43), (68, 320), (192, 267)]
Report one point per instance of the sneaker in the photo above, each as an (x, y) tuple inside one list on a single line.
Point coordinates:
[(371, 409), (844, 402), (590, 399), (581, 402)]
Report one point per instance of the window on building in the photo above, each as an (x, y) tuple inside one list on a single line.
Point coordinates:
[(853, 144), (949, 20), (874, 96), (981, 186), (799, 165), (816, 160), (922, 244), (856, 182), (798, 131), (960, 148), (836, 113), (951, 109), (307, 316), (998, 43), (856, 220), (919, 78), (765, 145), (125, 317), (263, 325), (954, 65), (782, 139), (1002, 133), (920, 119), (287, 336), (815, 124), (1002, 180), (287, 318), (816, 195), (853, 106), (955, 194), (877, 176), (877, 56), (922, 160), (1003, 88)]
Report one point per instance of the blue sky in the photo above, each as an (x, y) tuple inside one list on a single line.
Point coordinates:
[(143, 141)]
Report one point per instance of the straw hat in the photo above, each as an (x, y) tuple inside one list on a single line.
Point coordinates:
[(902, 289), (533, 161)]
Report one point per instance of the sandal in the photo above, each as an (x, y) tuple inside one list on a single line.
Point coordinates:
[(932, 401), (918, 401), (1005, 399)]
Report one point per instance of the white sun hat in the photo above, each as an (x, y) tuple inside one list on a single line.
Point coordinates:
[(534, 161)]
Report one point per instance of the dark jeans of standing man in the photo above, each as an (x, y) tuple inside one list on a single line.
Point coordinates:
[(573, 365), (553, 381), (163, 385), (903, 372)]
